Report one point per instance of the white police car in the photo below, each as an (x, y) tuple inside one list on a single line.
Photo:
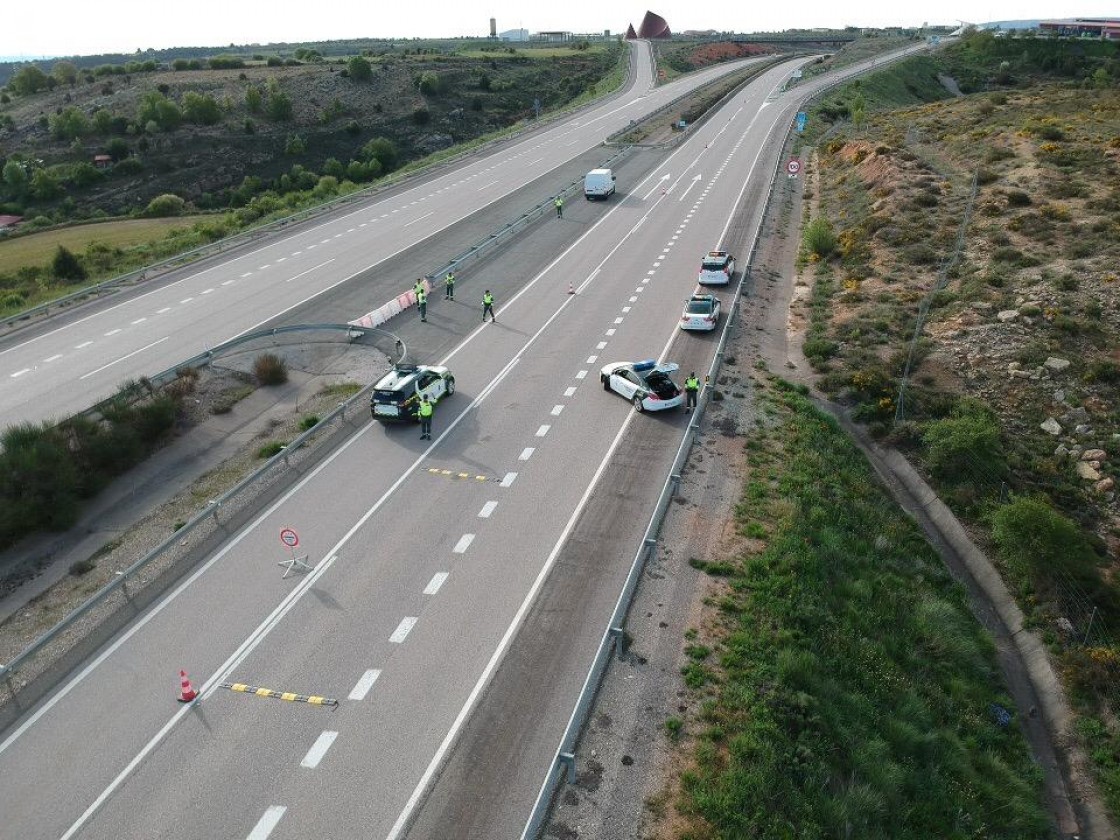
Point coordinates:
[(701, 312), (396, 396), (717, 268), (646, 384)]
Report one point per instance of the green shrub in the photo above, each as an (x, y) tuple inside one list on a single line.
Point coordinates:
[(819, 349), (965, 447), (164, 206), (270, 450), (66, 266), (82, 567), (1018, 198), (1037, 539), (819, 237), (270, 369), (309, 422)]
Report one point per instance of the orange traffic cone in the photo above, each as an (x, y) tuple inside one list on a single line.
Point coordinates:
[(571, 289), (187, 692)]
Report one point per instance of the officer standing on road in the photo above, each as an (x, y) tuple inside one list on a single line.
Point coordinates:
[(426, 411), (559, 207), (419, 287), (449, 286), (422, 303), (488, 306), (691, 388)]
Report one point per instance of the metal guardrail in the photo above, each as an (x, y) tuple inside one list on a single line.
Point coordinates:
[(210, 515), (614, 636)]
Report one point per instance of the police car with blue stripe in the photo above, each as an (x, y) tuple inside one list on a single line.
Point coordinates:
[(396, 396), (646, 384)]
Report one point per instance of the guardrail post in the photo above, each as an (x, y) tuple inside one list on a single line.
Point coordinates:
[(674, 484), (619, 636), (214, 505), (568, 760), (651, 546), (124, 584)]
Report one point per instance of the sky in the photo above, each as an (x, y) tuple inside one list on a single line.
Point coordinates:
[(69, 27)]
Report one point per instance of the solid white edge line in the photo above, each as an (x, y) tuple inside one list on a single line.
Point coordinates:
[(361, 687), (318, 750), (266, 823)]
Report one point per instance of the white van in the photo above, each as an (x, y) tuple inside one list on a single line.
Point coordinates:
[(598, 183)]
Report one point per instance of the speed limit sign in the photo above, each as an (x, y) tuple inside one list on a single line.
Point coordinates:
[(289, 537), (793, 167)]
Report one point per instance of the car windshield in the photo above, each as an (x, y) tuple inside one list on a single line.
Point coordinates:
[(699, 307), (713, 265)]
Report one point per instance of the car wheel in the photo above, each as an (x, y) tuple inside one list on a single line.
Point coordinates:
[(638, 407), (450, 383), (606, 382)]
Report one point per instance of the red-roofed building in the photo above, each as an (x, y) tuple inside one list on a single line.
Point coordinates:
[(102, 161), (8, 223)]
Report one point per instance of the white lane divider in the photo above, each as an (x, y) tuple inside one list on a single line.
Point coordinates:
[(403, 629), (228, 282), (592, 360), (626, 309), (139, 321), (112, 332), (435, 583), (569, 392), (463, 544), (53, 358), (618, 320), (602, 345), (556, 409), (488, 508), (526, 453), (611, 331), (21, 372), (543, 430), (318, 750), (581, 375), (164, 310), (186, 300), (207, 291), (508, 480), (246, 274), (83, 345), (362, 687), (265, 824)]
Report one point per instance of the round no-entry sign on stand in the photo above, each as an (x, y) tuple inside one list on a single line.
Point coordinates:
[(289, 537), (793, 167)]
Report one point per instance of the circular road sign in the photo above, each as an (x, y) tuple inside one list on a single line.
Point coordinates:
[(289, 537), (794, 166)]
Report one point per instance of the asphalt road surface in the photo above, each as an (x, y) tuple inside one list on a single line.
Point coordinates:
[(61, 367), (453, 619)]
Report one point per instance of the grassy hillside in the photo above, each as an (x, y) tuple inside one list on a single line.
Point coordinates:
[(995, 218)]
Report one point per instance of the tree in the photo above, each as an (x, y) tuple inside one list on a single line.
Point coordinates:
[(383, 151), (69, 124), (1035, 537), (102, 121), (85, 174), (965, 447), (429, 83), (359, 69), (254, 100), (15, 177), (332, 166), (201, 108), (66, 266), (157, 108), (279, 106), (44, 185), (28, 80), (295, 145), (65, 72)]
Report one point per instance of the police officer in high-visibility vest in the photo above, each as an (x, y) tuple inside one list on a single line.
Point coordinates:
[(449, 286), (418, 287), (488, 306), (559, 207), (422, 304), (425, 411), (691, 389)]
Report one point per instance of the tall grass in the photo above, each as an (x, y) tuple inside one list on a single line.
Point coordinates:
[(853, 690)]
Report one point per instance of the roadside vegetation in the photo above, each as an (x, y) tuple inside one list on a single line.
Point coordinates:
[(993, 216), (844, 689)]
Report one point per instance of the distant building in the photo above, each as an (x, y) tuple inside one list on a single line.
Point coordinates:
[(555, 36), (514, 35), (1082, 28), (493, 27), (699, 33), (102, 161)]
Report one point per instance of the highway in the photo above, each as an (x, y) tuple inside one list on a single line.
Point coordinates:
[(60, 367), (451, 618)]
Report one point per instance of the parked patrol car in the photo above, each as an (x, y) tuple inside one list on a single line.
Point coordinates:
[(396, 396), (717, 268), (646, 384)]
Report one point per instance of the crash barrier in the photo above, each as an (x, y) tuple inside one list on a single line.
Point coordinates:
[(245, 237), (38, 668), (482, 248), (614, 636)]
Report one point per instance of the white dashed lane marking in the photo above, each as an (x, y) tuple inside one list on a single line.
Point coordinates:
[(581, 375), (592, 359), (526, 453), (487, 509), (21, 372), (463, 544), (53, 358), (362, 687), (508, 480), (618, 320), (543, 430), (247, 274), (139, 321), (162, 311), (403, 629), (602, 345), (112, 332), (556, 409), (611, 331), (83, 345), (186, 300), (265, 824), (318, 750), (435, 583), (570, 391)]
